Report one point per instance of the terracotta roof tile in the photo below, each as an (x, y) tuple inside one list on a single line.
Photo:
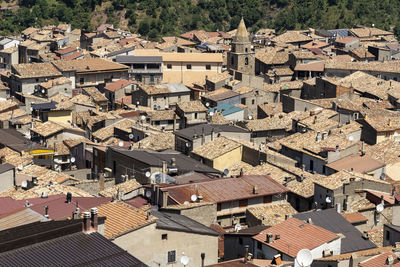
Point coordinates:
[(216, 148), (354, 217), (296, 235), (191, 106), (36, 70), (122, 218), (115, 86)]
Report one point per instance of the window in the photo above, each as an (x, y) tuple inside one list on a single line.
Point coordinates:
[(246, 61), (164, 236), (240, 241), (172, 256), (311, 165), (64, 158), (37, 80), (243, 101), (259, 245), (195, 116), (151, 78), (232, 60), (252, 102), (170, 122), (243, 203), (81, 80), (247, 50), (188, 66), (208, 67), (169, 66), (387, 235)]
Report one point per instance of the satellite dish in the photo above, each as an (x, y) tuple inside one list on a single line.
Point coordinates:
[(43, 91), (130, 136), (379, 208), (328, 200), (188, 144), (250, 117), (226, 172), (207, 104), (351, 138), (185, 260), (142, 118), (211, 113), (186, 203), (148, 194), (121, 144), (193, 198), (304, 258), (72, 159), (148, 174), (238, 227), (20, 167), (24, 184)]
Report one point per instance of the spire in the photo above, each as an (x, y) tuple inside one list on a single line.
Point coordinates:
[(241, 33)]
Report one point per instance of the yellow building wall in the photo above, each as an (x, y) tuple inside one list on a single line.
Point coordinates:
[(62, 116), (228, 159), (386, 135)]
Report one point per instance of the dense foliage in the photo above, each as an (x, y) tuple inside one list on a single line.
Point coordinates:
[(154, 18)]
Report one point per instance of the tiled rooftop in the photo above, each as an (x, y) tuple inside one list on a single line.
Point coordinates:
[(296, 235), (123, 188), (272, 214), (122, 218), (216, 148)]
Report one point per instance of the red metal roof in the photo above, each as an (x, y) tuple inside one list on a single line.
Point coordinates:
[(227, 189), (296, 235)]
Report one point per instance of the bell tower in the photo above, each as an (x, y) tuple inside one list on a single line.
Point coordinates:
[(241, 58)]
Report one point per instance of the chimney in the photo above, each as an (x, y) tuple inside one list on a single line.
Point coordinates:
[(362, 149), (164, 167), (165, 199), (269, 238), (69, 197), (324, 135), (337, 148), (199, 198), (86, 221), (46, 211), (255, 189), (389, 260), (203, 256), (338, 207), (101, 181), (94, 218), (241, 172), (212, 134), (76, 214), (345, 202), (174, 126), (354, 260), (173, 162), (246, 253), (309, 221), (148, 216), (365, 235), (318, 137)]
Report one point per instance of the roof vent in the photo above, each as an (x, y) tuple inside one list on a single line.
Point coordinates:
[(365, 235), (87, 67), (327, 252), (44, 195), (69, 197), (390, 260), (255, 189)]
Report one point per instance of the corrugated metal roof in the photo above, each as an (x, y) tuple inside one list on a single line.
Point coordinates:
[(21, 217), (189, 132), (227, 189), (71, 250)]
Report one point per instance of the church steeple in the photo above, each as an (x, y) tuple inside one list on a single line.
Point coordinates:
[(242, 36)]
